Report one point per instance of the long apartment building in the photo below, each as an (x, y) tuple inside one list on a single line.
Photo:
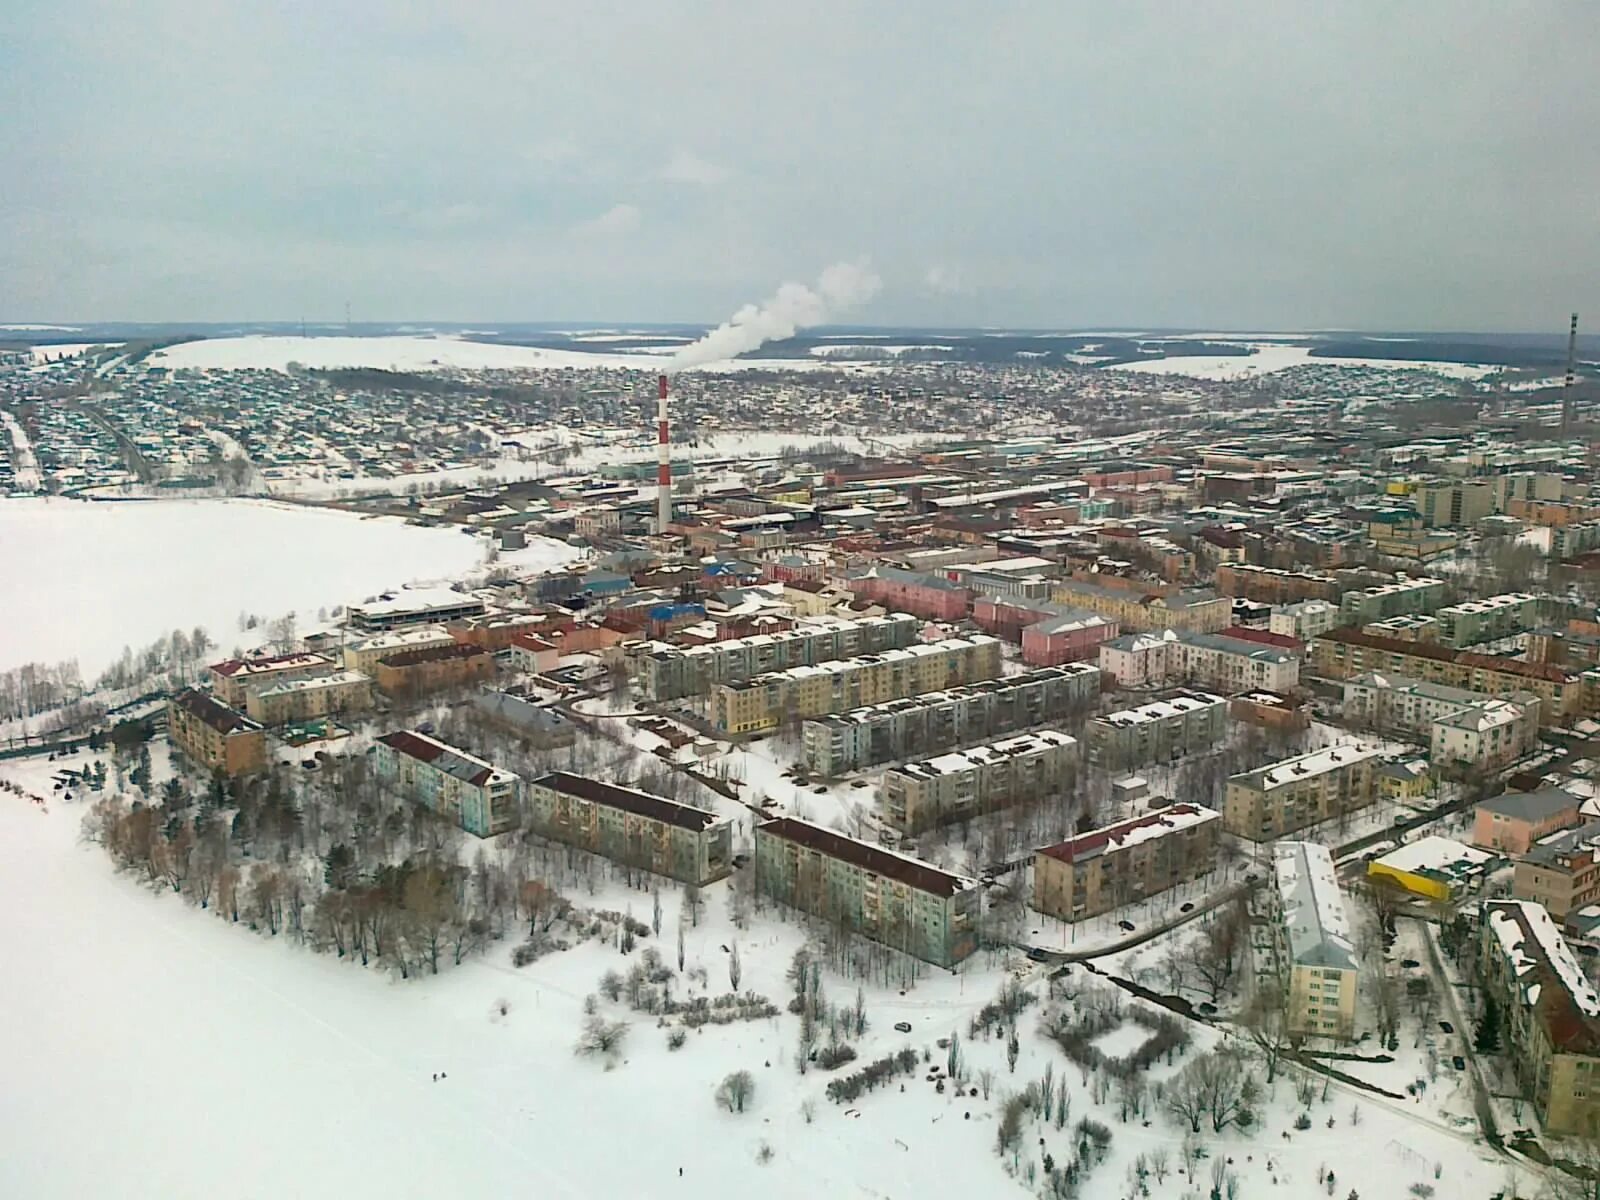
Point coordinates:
[(1158, 732), (476, 795), (1270, 585), (1551, 1013), (1197, 611), (214, 736), (1229, 664), (1119, 864), (764, 701), (890, 898), (1422, 594), (1317, 958), (1305, 619), (1345, 653), (672, 672), (1282, 797), (235, 678), (1460, 726), (309, 699), (937, 721), (964, 784), (1487, 620), (631, 827)]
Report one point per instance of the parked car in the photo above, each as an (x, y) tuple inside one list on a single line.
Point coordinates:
[(1037, 955), (1447, 1027), (902, 1026), (1458, 1062), (1125, 926), (1186, 907)]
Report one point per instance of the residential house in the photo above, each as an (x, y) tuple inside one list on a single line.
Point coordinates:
[(1314, 942), (214, 736), (631, 827), (1119, 864)]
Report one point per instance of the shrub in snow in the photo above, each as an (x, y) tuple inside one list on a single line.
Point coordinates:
[(736, 1091), (676, 1038), (830, 1057), (1302, 1122)]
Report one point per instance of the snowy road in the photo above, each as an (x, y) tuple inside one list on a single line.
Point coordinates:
[(25, 464)]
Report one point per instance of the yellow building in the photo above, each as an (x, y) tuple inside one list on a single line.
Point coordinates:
[(215, 736), (308, 699), (1405, 782), (1434, 868)]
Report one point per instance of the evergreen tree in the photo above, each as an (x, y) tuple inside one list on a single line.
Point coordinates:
[(1488, 1038), (339, 867)]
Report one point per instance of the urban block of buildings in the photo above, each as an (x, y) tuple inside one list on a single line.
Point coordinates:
[(1462, 728), (1561, 870), (1228, 664), (234, 679), (307, 699), (1161, 731), (1130, 860), (963, 784), (938, 721), (762, 702), (419, 672), (1513, 821), (901, 902), (1282, 797)]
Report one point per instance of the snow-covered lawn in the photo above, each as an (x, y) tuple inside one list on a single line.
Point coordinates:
[(82, 580), (418, 353), (152, 1050), (25, 467)]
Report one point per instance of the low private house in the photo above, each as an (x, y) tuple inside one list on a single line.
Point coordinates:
[(1511, 823), (1551, 1013), (1435, 868), (421, 672), (1131, 860), (1316, 949), (214, 736)]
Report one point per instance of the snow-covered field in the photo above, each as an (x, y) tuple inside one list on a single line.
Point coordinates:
[(84, 579), (1268, 359), (152, 1050), (424, 354)]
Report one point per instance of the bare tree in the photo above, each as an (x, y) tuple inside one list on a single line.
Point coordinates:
[(1187, 1097), (736, 1091), (1268, 1029), (603, 1038), (734, 968)]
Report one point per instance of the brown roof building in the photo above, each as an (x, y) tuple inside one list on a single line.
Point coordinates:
[(418, 672), (215, 736)]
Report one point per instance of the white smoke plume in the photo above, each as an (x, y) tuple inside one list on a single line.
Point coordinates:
[(793, 306)]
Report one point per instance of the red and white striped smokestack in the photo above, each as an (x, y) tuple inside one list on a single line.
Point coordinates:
[(663, 460)]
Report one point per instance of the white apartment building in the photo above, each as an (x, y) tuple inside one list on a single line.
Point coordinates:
[(1304, 620), (1230, 665), (1460, 726)]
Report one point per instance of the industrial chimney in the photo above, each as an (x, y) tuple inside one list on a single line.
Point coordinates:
[(663, 461)]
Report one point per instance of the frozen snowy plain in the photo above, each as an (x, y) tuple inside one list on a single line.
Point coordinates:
[(100, 576)]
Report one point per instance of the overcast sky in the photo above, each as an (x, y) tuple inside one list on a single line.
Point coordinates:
[(1278, 164)]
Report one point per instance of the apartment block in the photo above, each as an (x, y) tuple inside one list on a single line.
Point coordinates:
[(1119, 864), (1317, 960), (233, 679), (420, 672), (1551, 1013), (1561, 870), (214, 736), (1269, 585), (1137, 609), (763, 701), (1304, 620), (937, 721), (889, 898), (1461, 726), (1159, 732), (1229, 664), (479, 797), (1513, 821), (1455, 504), (925, 594), (1273, 801), (1408, 596), (1066, 637), (968, 783), (308, 699), (364, 654), (631, 827), (1487, 620), (670, 672), (1344, 653)]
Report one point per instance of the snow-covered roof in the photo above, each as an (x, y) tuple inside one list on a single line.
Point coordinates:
[(1306, 766), (1436, 855), (976, 757), (1536, 953), (414, 600), (337, 679), (1179, 705), (1314, 918), (1173, 819)]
